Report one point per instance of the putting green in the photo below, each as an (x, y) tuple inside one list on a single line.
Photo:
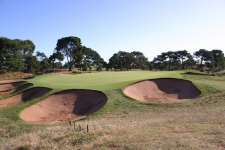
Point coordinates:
[(99, 80)]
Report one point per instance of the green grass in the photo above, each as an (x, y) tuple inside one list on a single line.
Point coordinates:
[(99, 80), (118, 105)]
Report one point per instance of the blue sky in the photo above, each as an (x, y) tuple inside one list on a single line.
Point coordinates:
[(150, 26)]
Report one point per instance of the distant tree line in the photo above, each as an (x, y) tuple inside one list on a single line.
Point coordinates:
[(18, 55), (202, 59)]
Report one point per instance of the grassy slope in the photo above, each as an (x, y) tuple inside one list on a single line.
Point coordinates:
[(119, 110)]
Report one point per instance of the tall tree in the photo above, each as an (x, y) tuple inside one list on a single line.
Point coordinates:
[(183, 56), (69, 47), (121, 60), (217, 60), (13, 53), (139, 60), (91, 59), (32, 64), (173, 60), (55, 56), (203, 56)]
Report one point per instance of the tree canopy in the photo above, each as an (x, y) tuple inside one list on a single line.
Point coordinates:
[(70, 47), (78, 55), (173, 60), (13, 53), (125, 61)]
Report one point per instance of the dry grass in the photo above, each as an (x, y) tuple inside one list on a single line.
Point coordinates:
[(194, 125)]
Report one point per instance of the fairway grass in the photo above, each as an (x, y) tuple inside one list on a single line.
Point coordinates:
[(124, 123)]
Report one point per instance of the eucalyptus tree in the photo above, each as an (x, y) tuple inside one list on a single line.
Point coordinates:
[(70, 47)]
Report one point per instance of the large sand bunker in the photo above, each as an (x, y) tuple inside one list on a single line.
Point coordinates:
[(165, 90), (26, 95), (65, 105)]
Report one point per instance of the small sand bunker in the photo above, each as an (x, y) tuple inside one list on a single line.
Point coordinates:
[(165, 90), (65, 105), (29, 94), (7, 86)]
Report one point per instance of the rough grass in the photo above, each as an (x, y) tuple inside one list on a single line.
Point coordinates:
[(124, 123)]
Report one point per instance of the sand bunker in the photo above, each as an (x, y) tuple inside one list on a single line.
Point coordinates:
[(29, 94), (9, 86), (65, 105), (165, 90), (6, 86)]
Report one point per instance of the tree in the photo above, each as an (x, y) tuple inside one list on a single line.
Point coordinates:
[(32, 64), (204, 57), (173, 60), (91, 59), (121, 60), (40, 55), (69, 47), (184, 57), (26, 47), (139, 60), (43, 62), (217, 60), (213, 60), (56, 56), (189, 62), (14, 52), (167, 61)]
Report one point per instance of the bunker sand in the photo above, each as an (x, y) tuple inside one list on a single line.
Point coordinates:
[(164, 90), (26, 95), (8, 86), (65, 105)]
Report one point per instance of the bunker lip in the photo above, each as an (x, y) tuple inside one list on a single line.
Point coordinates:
[(163, 90), (67, 105), (24, 96)]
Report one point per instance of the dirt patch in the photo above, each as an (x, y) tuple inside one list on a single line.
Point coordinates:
[(65, 105), (165, 90), (27, 95)]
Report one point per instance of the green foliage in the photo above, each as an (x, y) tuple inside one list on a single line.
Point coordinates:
[(125, 61), (91, 59), (13, 54), (212, 60), (69, 47), (77, 55), (32, 64), (173, 60)]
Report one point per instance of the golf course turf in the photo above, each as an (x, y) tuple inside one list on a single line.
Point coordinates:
[(166, 90), (121, 119)]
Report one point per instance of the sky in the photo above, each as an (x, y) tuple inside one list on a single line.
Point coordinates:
[(108, 26)]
